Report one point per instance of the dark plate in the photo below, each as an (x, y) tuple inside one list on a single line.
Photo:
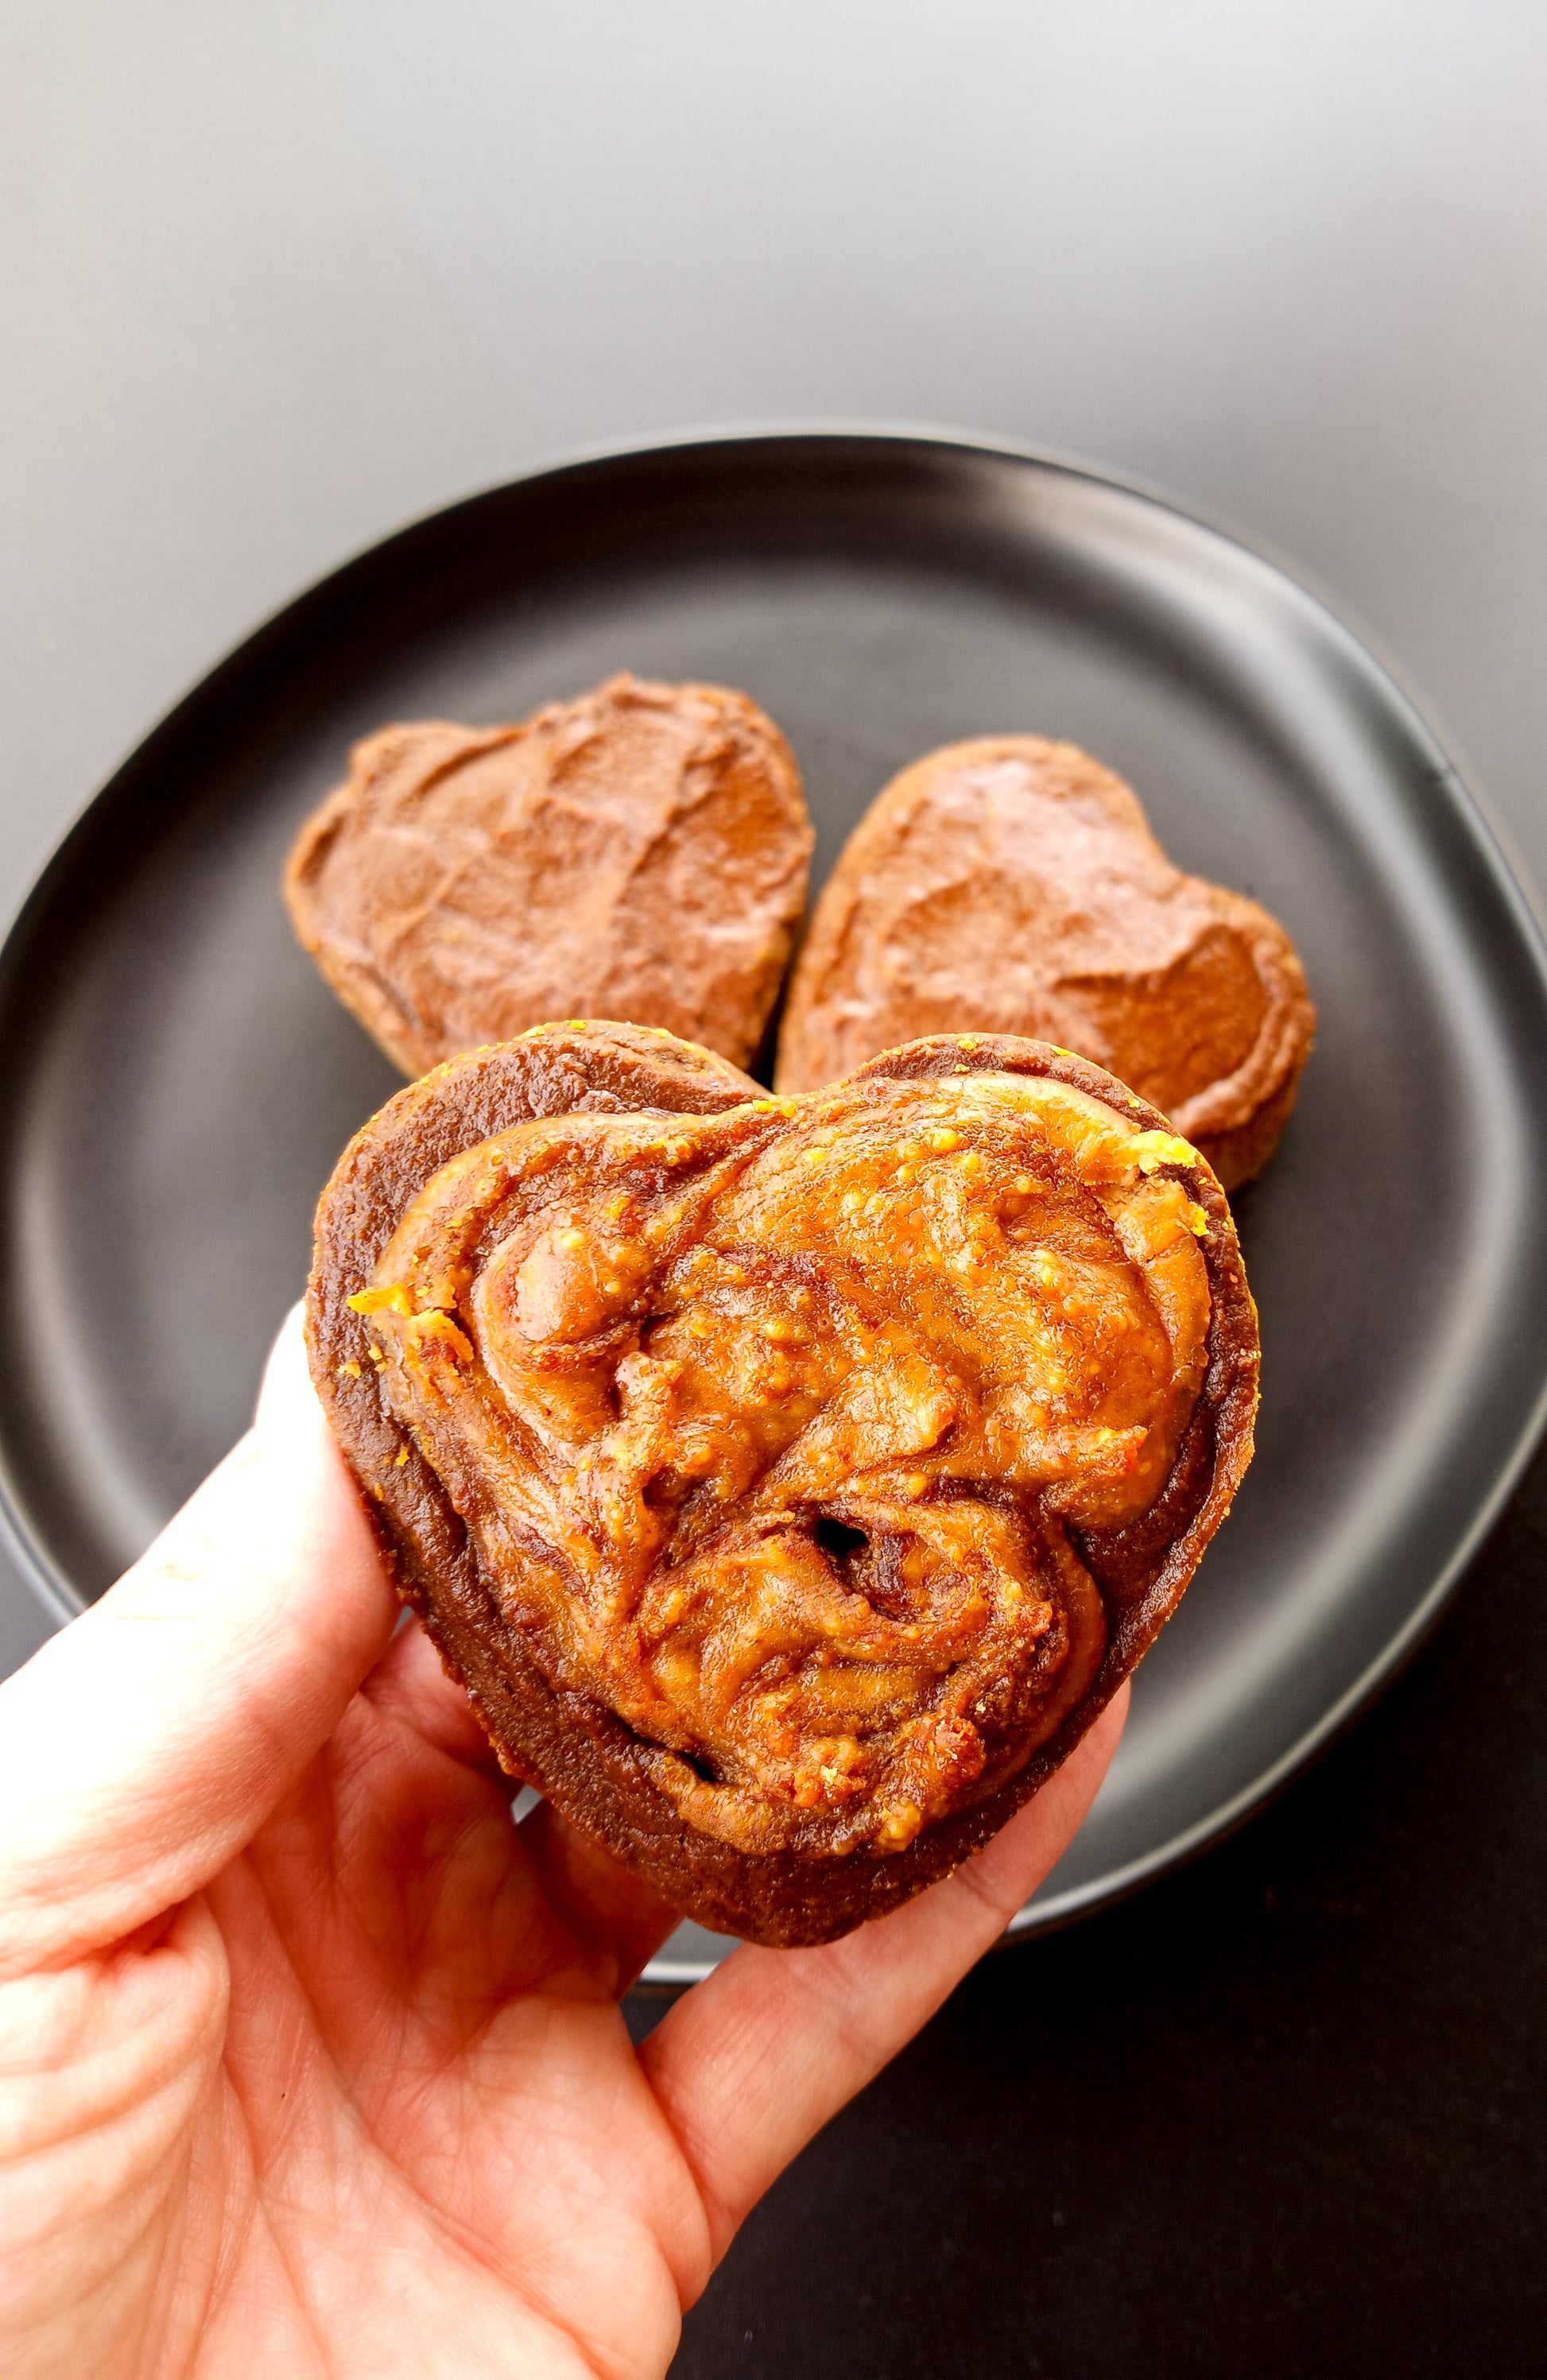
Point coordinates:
[(179, 1082)]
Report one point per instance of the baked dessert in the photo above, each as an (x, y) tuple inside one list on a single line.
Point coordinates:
[(790, 1481), (1010, 885), (639, 852)]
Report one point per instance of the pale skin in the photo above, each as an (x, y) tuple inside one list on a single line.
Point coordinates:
[(310, 2059)]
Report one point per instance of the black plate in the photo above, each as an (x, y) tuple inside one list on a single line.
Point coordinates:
[(178, 1081)]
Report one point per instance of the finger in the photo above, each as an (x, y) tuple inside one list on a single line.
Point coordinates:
[(613, 1921), (755, 2060), (614, 1918), (411, 1685), (139, 1749)]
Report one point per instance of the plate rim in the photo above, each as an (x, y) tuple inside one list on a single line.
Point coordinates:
[(1456, 783)]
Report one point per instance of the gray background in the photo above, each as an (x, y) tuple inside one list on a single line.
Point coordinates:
[(276, 275)]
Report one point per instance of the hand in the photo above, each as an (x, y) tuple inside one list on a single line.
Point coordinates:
[(310, 2059)]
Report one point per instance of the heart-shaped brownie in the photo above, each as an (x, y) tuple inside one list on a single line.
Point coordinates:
[(789, 1480), (638, 852), (1010, 885)]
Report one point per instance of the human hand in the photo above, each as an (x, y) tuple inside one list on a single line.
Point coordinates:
[(310, 2059)]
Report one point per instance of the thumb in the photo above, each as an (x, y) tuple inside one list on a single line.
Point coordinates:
[(141, 1748)]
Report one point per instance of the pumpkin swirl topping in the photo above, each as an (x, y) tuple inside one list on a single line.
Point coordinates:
[(776, 1428)]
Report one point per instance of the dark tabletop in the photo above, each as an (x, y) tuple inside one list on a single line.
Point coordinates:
[(277, 278)]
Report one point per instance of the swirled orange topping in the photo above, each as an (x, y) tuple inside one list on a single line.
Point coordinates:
[(773, 1426)]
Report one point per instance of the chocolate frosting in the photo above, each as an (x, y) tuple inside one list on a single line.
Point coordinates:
[(640, 852), (1012, 885)]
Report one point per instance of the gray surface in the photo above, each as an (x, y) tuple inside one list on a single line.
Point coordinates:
[(23, 1622), (276, 277)]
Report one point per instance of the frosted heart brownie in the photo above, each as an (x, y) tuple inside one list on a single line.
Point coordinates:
[(639, 852), (1011, 885), (789, 1480)]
